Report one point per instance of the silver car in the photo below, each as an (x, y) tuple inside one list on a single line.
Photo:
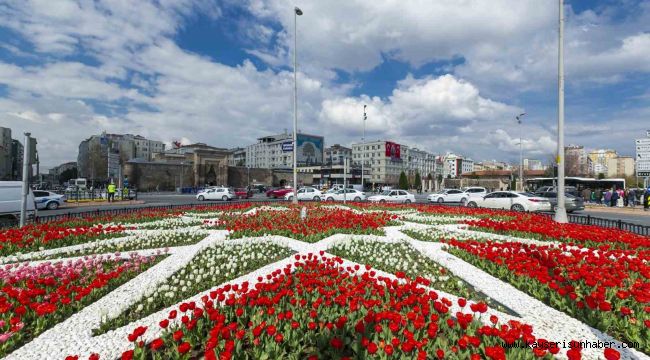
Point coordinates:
[(571, 203)]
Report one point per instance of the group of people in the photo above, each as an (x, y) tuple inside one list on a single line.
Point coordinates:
[(618, 197)]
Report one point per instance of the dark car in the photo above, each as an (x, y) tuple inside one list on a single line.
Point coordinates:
[(571, 203)]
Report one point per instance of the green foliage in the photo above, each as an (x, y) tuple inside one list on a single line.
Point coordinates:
[(418, 180), (403, 181)]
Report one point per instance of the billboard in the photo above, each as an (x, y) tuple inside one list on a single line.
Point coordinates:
[(393, 150), (310, 150)]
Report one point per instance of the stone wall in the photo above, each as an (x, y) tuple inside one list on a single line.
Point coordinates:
[(238, 176), (153, 176)]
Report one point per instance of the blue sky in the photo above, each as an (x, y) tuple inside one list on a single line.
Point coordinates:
[(440, 75)]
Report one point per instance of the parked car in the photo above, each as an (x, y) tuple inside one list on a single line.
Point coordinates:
[(475, 191), (270, 191), (347, 194), (448, 196), (571, 203), (279, 193), (48, 200), (394, 196), (516, 201), (306, 193), (10, 202), (567, 190), (215, 193), (243, 193)]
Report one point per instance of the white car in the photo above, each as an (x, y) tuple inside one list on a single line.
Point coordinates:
[(394, 196), (448, 196), (307, 193), (347, 194), (475, 191), (47, 200), (217, 193), (511, 200)]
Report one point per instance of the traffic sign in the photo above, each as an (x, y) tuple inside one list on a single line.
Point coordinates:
[(287, 146)]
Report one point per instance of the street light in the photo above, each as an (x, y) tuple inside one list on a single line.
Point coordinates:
[(363, 141), (296, 12), (521, 154), (560, 211)]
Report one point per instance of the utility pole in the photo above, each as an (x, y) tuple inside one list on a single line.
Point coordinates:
[(521, 154), (345, 179), (26, 165), (560, 210), (363, 147), (296, 12)]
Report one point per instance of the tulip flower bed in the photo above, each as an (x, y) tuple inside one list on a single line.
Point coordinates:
[(401, 257), (545, 229), (171, 223), (320, 223), (141, 241), (37, 237), (35, 298), (325, 311), (609, 290), (210, 268)]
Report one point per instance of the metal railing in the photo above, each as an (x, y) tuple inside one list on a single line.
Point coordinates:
[(99, 195), (609, 223)]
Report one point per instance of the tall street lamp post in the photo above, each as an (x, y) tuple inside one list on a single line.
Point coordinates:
[(363, 141), (560, 210), (521, 154), (296, 12)]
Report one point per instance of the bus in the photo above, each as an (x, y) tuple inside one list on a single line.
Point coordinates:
[(579, 183), (81, 184)]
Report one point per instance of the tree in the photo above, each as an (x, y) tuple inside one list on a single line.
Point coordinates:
[(418, 181), (601, 176), (403, 181), (67, 175)]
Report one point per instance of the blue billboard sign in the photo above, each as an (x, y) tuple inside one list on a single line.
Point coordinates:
[(287, 146)]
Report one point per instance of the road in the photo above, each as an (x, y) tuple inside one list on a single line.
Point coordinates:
[(163, 199)]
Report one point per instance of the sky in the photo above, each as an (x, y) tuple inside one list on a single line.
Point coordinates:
[(442, 75)]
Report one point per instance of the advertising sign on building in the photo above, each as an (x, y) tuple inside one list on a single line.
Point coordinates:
[(393, 150), (287, 146), (642, 157), (310, 150)]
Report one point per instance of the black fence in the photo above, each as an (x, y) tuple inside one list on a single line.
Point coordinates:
[(99, 195), (608, 223)]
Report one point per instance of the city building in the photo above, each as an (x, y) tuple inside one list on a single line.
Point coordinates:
[(533, 164), (275, 151), (576, 161), (335, 154), (17, 154), (237, 157), (192, 165), (92, 159), (58, 170), (420, 162), (620, 166), (456, 165), (493, 165), (599, 160), (6, 168), (383, 161)]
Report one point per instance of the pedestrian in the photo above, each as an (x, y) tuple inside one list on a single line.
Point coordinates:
[(111, 192), (631, 198), (586, 194), (608, 198), (613, 198), (646, 199), (598, 197), (621, 196)]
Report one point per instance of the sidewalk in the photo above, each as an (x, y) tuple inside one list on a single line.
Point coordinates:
[(638, 210), (68, 205)]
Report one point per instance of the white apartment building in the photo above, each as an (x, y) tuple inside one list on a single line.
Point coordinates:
[(268, 152), (455, 165), (383, 169), (336, 154), (533, 164)]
